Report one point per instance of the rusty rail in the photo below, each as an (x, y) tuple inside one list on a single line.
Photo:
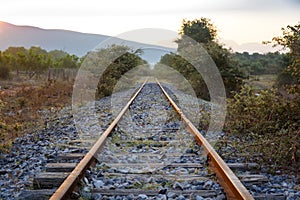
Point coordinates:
[(70, 182), (233, 187)]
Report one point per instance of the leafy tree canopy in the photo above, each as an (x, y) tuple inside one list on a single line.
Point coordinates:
[(36, 59), (204, 32), (290, 40), (256, 64), (128, 60), (200, 30)]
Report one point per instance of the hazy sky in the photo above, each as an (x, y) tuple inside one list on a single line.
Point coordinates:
[(243, 21)]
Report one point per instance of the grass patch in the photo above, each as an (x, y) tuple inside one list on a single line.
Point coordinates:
[(24, 107), (262, 82)]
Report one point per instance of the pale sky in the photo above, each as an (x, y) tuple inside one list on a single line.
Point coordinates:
[(243, 21)]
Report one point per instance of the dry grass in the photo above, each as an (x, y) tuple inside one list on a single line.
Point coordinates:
[(22, 103), (262, 82)]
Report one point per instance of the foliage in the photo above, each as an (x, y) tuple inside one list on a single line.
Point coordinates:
[(188, 71), (68, 61), (285, 78), (270, 120), (257, 64), (290, 40), (115, 70), (36, 60), (204, 32), (200, 30), (228, 67), (57, 54)]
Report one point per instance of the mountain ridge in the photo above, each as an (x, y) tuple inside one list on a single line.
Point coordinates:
[(250, 47), (73, 42), (49, 39), (79, 43)]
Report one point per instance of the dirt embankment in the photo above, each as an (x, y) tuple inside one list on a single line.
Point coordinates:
[(24, 107)]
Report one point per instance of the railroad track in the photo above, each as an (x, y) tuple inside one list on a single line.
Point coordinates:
[(171, 160)]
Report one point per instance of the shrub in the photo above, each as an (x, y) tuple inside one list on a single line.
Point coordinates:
[(120, 66), (269, 122), (285, 78)]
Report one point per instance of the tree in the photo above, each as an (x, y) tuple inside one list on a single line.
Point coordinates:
[(270, 63), (57, 54), (204, 32), (68, 61), (11, 56), (37, 61), (34, 60), (290, 40), (200, 30), (128, 60)]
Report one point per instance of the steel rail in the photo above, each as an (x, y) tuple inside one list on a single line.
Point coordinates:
[(233, 187), (70, 182)]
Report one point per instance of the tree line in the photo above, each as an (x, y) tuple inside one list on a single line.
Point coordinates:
[(34, 60), (258, 64)]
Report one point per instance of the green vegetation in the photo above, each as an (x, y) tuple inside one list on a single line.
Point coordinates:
[(290, 76), (268, 123), (203, 31), (4, 70), (257, 64), (34, 61), (122, 64)]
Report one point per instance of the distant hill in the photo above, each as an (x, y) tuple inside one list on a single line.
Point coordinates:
[(70, 41), (249, 47), (80, 43)]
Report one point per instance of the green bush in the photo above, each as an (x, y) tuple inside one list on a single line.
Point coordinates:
[(268, 124), (285, 78), (120, 66)]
